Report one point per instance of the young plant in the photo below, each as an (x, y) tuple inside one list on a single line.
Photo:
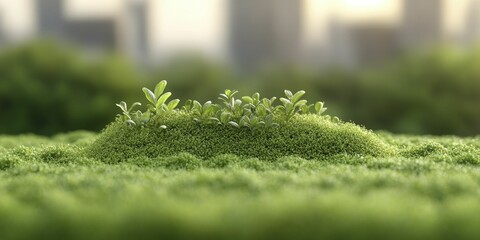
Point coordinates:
[(319, 108), (158, 100), (232, 105), (201, 113), (291, 105), (247, 111), (126, 112)]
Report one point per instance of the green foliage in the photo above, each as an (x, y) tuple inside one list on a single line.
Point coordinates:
[(248, 111), (130, 118), (47, 88), (431, 92)]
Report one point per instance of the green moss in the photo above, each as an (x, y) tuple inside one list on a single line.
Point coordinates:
[(306, 136), (425, 149), (6, 163), (222, 161), (182, 161), (467, 159), (58, 154)]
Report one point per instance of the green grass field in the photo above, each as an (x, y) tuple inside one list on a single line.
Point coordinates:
[(429, 189)]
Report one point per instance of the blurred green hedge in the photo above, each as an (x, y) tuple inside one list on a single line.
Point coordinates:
[(46, 88), (432, 92)]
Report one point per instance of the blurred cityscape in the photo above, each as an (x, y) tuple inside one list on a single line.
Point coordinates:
[(248, 34)]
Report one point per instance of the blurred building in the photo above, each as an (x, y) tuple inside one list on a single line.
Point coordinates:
[(95, 35), (421, 23), (3, 34), (135, 28), (339, 47), (471, 30), (125, 31), (264, 32), (50, 17), (374, 43), (258, 32), (431, 22)]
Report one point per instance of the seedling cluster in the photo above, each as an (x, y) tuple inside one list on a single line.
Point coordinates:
[(246, 111)]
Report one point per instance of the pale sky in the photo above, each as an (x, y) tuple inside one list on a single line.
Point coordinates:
[(198, 24)]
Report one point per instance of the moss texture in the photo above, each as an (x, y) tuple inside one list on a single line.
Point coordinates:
[(306, 136)]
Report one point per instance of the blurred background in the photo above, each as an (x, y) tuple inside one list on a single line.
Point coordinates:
[(405, 66)]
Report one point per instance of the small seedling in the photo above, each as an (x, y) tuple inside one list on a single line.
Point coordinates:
[(126, 116), (158, 100), (246, 111)]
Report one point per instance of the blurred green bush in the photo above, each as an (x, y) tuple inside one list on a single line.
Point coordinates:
[(432, 92), (46, 88)]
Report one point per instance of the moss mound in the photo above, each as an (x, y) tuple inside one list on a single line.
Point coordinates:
[(307, 136)]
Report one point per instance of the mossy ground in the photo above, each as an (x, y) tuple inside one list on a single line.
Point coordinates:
[(306, 136), (428, 189)]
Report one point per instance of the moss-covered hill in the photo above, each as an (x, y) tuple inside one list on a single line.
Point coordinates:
[(307, 136)]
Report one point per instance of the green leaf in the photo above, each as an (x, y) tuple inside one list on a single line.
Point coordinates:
[(149, 95), (297, 96), (233, 92), (234, 124), (319, 109), (244, 120), (261, 110), (172, 104), (223, 97), (151, 108), (224, 117), (266, 102), (163, 99), (197, 105), (306, 108), (247, 99), (285, 101), (160, 88), (214, 119), (206, 105), (272, 100), (288, 94), (210, 110), (256, 96), (288, 108), (323, 110), (300, 103), (238, 102), (134, 104), (188, 105), (122, 105)]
